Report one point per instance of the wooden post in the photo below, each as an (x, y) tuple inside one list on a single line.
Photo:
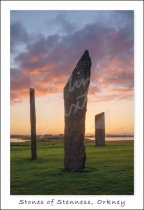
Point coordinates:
[(33, 124)]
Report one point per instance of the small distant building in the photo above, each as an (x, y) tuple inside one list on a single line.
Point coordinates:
[(100, 129)]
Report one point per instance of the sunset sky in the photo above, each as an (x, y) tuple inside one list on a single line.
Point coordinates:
[(45, 48)]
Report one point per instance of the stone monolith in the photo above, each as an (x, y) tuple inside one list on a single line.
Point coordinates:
[(100, 129), (75, 104)]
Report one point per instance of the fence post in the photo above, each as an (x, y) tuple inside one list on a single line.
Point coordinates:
[(33, 124)]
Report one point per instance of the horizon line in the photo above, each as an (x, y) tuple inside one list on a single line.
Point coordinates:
[(86, 135)]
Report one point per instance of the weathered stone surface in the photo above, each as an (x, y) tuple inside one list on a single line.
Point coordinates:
[(75, 103), (33, 124), (100, 129)]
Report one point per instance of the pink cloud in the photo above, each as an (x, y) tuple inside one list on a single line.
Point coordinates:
[(48, 63)]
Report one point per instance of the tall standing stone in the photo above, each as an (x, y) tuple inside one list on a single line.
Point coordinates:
[(100, 129), (75, 103), (33, 124)]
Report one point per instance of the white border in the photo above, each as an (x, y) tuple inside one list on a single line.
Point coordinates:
[(11, 202)]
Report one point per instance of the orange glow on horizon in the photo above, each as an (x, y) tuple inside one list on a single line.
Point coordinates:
[(50, 116)]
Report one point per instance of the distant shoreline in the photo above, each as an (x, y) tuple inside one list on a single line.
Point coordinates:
[(111, 141), (62, 135)]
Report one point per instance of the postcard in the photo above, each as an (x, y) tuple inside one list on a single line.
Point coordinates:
[(71, 137)]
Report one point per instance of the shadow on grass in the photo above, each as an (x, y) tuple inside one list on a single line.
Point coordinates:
[(87, 170)]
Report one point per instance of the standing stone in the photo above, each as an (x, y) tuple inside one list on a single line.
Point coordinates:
[(33, 124), (75, 103), (100, 129)]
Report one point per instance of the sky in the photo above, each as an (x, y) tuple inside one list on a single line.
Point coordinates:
[(45, 48)]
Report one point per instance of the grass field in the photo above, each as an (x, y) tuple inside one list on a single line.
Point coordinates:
[(109, 170)]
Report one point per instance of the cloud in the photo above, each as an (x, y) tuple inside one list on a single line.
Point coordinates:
[(47, 62), (18, 35), (65, 26)]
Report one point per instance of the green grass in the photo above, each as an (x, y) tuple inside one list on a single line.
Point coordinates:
[(109, 171)]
